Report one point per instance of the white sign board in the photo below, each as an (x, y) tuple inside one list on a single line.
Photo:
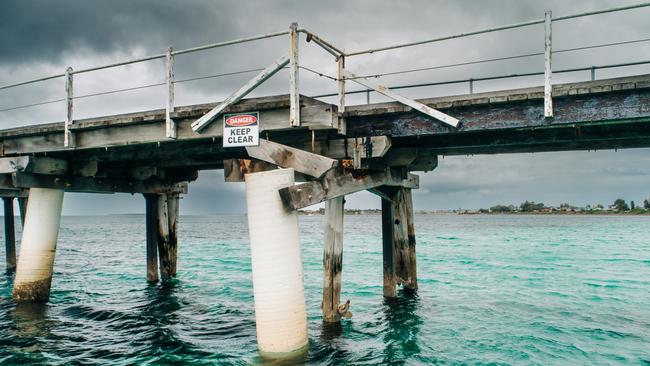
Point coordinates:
[(241, 129)]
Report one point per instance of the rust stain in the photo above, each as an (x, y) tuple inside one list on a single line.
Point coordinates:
[(33, 291)]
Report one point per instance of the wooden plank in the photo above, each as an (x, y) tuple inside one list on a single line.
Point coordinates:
[(95, 185), (151, 227), (170, 124), (202, 122), (333, 259), (338, 183), (167, 235), (294, 93), (68, 140), (388, 249), (10, 234), (449, 120), (235, 170), (15, 164), (14, 193), (548, 72), (288, 157), (336, 149)]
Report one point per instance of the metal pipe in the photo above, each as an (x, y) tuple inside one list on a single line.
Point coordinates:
[(495, 29), (122, 63), (32, 81), (459, 81), (323, 43), (227, 43)]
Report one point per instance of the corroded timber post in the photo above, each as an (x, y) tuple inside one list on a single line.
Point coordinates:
[(280, 309), (22, 206), (38, 245), (168, 234), (10, 234), (151, 226), (410, 223), (387, 228), (333, 258)]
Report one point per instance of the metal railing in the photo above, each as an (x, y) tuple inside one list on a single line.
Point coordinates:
[(343, 74)]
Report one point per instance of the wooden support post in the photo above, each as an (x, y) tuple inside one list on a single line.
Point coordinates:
[(333, 259), (10, 234), (151, 226), (170, 125), (387, 228), (548, 72), (22, 206), (167, 234), (294, 93), (404, 239), (68, 140)]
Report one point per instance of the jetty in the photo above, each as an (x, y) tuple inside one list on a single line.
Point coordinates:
[(294, 151)]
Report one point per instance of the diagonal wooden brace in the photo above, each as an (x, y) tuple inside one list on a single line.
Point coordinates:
[(402, 99), (289, 157), (264, 75)]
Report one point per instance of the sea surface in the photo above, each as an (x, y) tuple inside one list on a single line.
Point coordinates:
[(502, 290)]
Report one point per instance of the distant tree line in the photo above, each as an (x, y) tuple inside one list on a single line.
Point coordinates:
[(619, 205)]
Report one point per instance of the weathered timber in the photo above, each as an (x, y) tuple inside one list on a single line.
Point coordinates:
[(22, 206), (377, 147), (167, 240), (411, 278), (294, 92), (170, 124), (388, 249), (288, 157), (30, 164), (95, 185), (149, 127), (264, 75), (151, 228), (338, 182), (14, 193), (333, 259), (10, 234), (548, 71), (234, 170), (422, 108)]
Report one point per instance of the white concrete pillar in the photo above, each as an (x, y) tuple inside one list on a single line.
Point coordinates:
[(280, 309), (38, 245)]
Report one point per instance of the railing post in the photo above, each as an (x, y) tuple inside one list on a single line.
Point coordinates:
[(67, 136), (548, 86), (341, 82), (294, 94), (170, 125), (471, 86), (593, 73)]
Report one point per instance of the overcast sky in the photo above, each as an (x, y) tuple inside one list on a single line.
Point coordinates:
[(40, 38)]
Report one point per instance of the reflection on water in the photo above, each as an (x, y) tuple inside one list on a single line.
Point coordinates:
[(402, 327)]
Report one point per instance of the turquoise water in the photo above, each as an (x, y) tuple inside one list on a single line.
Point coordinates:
[(519, 290)]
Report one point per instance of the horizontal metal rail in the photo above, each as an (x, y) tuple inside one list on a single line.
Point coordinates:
[(496, 29), (152, 57), (487, 78)]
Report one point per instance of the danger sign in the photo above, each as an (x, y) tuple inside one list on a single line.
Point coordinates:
[(241, 129)]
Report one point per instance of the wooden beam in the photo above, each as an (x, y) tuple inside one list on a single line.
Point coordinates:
[(234, 170), (10, 234), (167, 234), (388, 249), (333, 259), (30, 164), (343, 148), (339, 183), (151, 227), (294, 71), (411, 279), (341, 89), (442, 117), (22, 206), (289, 157), (95, 185), (203, 122)]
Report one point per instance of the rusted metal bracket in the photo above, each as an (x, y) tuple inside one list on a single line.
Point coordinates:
[(402, 99)]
